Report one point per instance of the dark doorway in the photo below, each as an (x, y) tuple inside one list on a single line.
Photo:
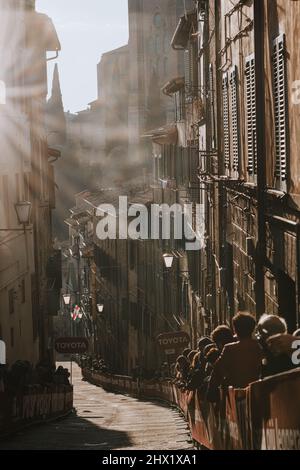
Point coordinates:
[(287, 299)]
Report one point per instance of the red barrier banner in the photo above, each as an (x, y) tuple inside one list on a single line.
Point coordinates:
[(34, 404), (181, 399), (275, 412), (167, 392), (235, 432), (201, 421), (266, 415)]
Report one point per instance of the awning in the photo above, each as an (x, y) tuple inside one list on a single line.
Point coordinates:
[(182, 32), (163, 135), (172, 86)]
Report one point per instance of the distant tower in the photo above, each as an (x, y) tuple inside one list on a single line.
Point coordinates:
[(152, 62), (56, 121)]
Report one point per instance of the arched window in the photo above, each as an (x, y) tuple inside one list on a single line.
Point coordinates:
[(2, 92)]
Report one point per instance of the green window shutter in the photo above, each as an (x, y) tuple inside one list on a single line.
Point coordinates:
[(226, 130), (251, 115), (280, 104), (235, 120)]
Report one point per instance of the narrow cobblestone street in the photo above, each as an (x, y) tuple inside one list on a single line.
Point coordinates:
[(106, 421)]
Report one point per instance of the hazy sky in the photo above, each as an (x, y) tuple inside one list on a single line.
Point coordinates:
[(86, 29)]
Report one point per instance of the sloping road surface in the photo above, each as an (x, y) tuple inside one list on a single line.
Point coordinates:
[(106, 421)]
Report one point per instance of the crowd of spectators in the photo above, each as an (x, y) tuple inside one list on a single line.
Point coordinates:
[(93, 363), (236, 357), (22, 374)]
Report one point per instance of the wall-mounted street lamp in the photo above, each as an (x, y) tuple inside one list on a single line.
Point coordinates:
[(23, 211), (67, 299), (168, 260)]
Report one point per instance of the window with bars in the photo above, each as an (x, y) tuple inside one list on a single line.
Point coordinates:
[(226, 125), (234, 119), (251, 115), (280, 105)]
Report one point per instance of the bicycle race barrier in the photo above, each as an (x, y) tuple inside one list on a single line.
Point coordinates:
[(34, 404), (263, 416)]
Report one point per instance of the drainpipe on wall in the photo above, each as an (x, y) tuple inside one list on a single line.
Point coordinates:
[(298, 276), (259, 40)]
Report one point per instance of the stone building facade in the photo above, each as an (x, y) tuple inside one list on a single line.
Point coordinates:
[(225, 137), (29, 268)]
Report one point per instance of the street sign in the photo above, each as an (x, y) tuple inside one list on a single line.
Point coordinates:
[(174, 342), (71, 345), (170, 352)]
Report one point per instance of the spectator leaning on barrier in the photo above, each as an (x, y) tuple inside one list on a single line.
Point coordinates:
[(191, 357), (276, 343), (240, 362), (61, 376), (221, 336), (204, 341), (202, 344), (182, 368), (186, 352), (211, 358), (199, 365)]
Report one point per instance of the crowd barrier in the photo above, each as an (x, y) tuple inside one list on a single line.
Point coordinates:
[(33, 405), (264, 416)]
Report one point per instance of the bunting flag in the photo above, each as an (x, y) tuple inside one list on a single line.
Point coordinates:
[(76, 314)]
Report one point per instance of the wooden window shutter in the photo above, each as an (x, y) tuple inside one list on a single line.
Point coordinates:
[(187, 70), (235, 120), (280, 104), (251, 115), (226, 121), (194, 67)]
